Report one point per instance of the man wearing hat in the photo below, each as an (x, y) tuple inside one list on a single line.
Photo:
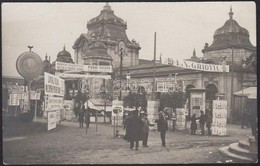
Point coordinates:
[(162, 126), (146, 125), (135, 130)]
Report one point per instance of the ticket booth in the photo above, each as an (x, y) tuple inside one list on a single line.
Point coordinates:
[(196, 101)]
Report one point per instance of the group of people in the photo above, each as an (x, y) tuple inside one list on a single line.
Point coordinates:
[(137, 129), (203, 119), (83, 114)]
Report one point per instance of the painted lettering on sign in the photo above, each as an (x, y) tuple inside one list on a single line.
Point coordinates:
[(196, 66)]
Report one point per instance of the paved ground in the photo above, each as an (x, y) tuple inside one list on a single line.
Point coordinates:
[(68, 144)]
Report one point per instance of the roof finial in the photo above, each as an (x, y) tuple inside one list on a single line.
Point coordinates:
[(194, 52), (64, 47), (231, 13), (107, 7), (46, 56), (49, 58)]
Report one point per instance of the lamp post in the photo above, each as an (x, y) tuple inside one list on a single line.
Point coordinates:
[(128, 77), (121, 54)]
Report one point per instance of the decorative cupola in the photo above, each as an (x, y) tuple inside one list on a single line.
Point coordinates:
[(231, 34)]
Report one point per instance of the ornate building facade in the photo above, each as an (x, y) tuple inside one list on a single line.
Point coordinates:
[(111, 31)]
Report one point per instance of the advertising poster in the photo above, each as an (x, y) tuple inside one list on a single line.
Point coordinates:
[(180, 118), (51, 120), (219, 117), (53, 103), (53, 85)]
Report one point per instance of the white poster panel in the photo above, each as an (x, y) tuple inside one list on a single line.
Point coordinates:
[(51, 120), (180, 118), (35, 95), (53, 103), (196, 66), (219, 117), (58, 116), (53, 85), (14, 99)]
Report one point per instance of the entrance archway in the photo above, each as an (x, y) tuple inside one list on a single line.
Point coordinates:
[(187, 92), (211, 91)]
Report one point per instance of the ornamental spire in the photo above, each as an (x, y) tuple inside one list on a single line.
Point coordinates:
[(64, 47), (231, 13), (107, 7)]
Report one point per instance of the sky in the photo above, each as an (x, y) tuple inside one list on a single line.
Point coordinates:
[(180, 27)]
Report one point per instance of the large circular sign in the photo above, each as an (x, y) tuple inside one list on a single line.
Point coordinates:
[(29, 65)]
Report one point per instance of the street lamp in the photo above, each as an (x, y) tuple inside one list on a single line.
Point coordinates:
[(128, 77), (121, 54)]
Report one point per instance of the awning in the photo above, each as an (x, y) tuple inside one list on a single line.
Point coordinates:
[(248, 92), (99, 104)]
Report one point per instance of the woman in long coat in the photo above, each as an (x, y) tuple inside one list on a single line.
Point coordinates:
[(135, 130), (193, 125)]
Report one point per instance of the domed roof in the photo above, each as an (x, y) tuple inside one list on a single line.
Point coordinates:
[(231, 26), (107, 15), (64, 56), (231, 34), (64, 53)]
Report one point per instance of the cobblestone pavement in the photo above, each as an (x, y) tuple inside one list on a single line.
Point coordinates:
[(68, 144)]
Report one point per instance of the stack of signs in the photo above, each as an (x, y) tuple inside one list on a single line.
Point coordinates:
[(180, 118), (54, 89), (219, 118)]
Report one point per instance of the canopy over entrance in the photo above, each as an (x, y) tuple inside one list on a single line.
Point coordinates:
[(99, 104), (249, 92)]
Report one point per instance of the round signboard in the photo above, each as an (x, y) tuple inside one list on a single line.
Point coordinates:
[(29, 65)]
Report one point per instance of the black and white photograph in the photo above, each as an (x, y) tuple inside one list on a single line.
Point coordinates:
[(129, 83)]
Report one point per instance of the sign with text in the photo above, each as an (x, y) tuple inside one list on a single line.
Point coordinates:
[(53, 103), (67, 75), (79, 67), (53, 85), (196, 66), (51, 120), (252, 83)]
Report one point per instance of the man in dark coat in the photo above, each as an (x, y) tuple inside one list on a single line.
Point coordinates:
[(81, 114), (134, 130), (146, 124), (245, 120), (162, 126), (202, 120), (193, 125), (87, 118)]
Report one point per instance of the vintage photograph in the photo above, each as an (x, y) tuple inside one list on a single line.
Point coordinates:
[(129, 83)]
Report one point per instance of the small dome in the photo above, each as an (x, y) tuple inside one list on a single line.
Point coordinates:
[(64, 53)]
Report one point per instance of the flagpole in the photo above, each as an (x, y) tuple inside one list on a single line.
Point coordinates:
[(154, 72)]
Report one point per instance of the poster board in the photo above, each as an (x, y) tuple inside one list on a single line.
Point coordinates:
[(51, 120), (219, 117), (181, 118)]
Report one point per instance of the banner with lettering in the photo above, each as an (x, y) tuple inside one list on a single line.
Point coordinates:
[(196, 66), (79, 67), (53, 85), (67, 75)]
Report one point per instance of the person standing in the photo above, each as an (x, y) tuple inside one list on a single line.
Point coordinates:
[(81, 114), (162, 126), (174, 118), (146, 129), (208, 123), (193, 125), (76, 109), (87, 119), (134, 130), (202, 120)]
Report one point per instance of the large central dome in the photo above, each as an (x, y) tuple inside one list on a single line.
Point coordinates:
[(231, 34)]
